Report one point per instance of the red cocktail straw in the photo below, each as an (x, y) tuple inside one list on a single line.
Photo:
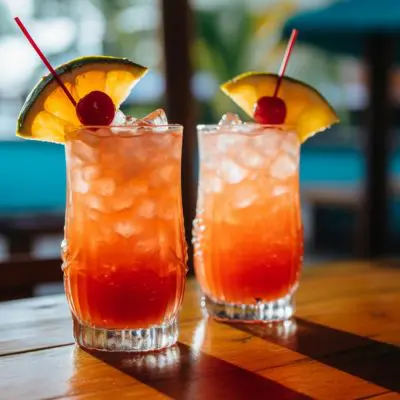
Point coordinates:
[(285, 60), (44, 59)]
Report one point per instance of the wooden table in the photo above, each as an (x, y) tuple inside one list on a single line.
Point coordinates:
[(343, 344)]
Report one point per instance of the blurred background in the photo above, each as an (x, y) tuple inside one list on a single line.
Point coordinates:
[(220, 39)]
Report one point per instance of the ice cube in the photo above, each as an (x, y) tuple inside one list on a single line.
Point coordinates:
[(168, 172), (133, 153), (137, 187), (228, 215), (211, 184), (85, 151), (107, 233), (90, 172), (228, 142), (250, 158), (167, 211), (283, 167), (176, 150), (229, 119), (279, 190), (126, 229), (105, 186), (268, 143), (94, 203), (122, 202), (119, 118), (156, 117), (126, 195), (103, 132), (209, 161), (225, 142), (93, 214), (79, 185), (146, 209), (291, 144), (232, 172), (129, 120), (244, 195), (90, 137), (147, 245), (164, 174)]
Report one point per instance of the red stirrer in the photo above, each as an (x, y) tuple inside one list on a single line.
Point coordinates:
[(44, 59), (288, 52), (272, 109)]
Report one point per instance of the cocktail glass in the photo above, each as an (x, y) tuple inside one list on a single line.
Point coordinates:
[(124, 250), (248, 239)]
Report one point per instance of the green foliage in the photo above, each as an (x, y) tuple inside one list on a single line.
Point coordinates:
[(221, 48), (223, 39)]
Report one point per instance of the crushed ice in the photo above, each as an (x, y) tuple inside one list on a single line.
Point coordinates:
[(283, 167), (146, 209), (229, 119), (119, 118), (232, 172), (244, 195), (105, 186), (156, 117), (126, 229), (280, 190)]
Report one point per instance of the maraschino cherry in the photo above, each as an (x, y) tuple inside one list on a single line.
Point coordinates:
[(96, 108), (270, 110)]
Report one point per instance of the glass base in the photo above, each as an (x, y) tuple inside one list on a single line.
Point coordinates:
[(278, 310), (126, 340)]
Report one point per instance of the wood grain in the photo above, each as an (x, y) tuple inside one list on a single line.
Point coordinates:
[(387, 396), (291, 369), (34, 324), (343, 344), (363, 357)]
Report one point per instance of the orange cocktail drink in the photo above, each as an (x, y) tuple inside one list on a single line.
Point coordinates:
[(248, 231), (124, 250), (124, 253), (248, 238)]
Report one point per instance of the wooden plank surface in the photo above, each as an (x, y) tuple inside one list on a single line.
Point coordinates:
[(343, 344)]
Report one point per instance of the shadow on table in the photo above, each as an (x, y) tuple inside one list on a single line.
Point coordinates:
[(181, 372), (366, 358)]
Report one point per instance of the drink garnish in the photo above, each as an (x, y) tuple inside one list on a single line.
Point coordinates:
[(96, 108), (272, 109), (298, 105), (96, 86), (44, 59)]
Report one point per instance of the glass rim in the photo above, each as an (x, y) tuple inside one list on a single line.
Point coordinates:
[(102, 131), (221, 129)]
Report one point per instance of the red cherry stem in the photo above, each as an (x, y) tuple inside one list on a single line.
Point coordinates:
[(285, 60), (44, 59)]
